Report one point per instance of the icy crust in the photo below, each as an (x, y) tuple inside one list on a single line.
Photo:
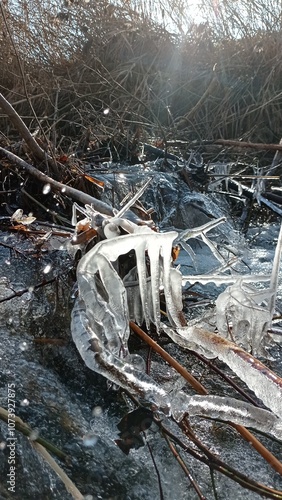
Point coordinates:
[(227, 409)]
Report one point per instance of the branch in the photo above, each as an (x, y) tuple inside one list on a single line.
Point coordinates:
[(23, 131), (252, 145), (40, 445), (73, 193)]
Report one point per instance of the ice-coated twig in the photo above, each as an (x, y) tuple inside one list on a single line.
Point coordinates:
[(200, 231), (100, 318), (101, 358), (227, 409), (263, 382), (136, 197), (222, 279)]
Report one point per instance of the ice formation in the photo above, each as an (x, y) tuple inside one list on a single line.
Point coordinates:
[(244, 314), (106, 303), (241, 319), (263, 382), (227, 409)]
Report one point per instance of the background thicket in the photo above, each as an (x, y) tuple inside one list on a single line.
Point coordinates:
[(100, 68)]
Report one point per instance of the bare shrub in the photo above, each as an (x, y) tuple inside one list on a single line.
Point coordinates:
[(219, 78)]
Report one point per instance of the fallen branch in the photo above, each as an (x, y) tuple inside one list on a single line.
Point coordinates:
[(73, 193), (252, 145)]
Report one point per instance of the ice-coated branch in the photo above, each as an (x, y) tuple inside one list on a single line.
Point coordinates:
[(223, 279), (263, 382), (228, 410)]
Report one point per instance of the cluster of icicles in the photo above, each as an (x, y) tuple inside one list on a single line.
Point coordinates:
[(107, 303)]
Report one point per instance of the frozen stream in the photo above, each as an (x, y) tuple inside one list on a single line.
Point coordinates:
[(71, 406)]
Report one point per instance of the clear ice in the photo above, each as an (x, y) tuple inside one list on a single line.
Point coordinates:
[(106, 303)]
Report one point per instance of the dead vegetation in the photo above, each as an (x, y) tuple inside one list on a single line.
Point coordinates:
[(83, 71)]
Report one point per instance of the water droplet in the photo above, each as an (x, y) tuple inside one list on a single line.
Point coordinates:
[(46, 188), (63, 190), (2, 445), (90, 439), (23, 346), (106, 111), (31, 289), (34, 434), (24, 402), (88, 497), (47, 269), (97, 411), (8, 262)]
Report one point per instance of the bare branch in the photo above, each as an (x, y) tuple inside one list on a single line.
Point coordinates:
[(73, 193)]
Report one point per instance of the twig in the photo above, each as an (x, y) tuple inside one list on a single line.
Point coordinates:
[(252, 145), (27, 431), (157, 471), (19, 293), (70, 486), (215, 463), (25, 133), (184, 467), (41, 445), (178, 367), (225, 377), (213, 484)]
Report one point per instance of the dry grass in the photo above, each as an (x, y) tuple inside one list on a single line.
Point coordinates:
[(217, 79)]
